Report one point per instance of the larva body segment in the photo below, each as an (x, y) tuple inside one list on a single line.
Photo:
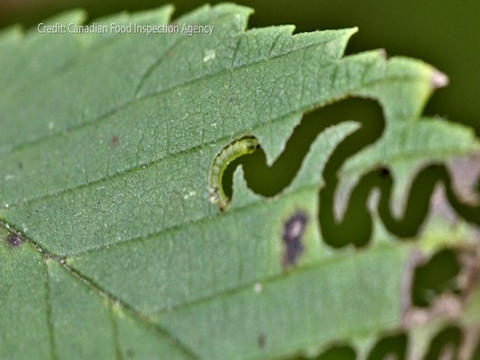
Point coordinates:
[(229, 153)]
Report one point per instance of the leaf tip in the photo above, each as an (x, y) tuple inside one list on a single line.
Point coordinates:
[(439, 79), (245, 11), (353, 30)]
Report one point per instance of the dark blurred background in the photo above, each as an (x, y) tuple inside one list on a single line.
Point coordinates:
[(443, 33)]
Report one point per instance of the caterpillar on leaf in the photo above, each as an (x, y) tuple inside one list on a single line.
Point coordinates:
[(243, 146)]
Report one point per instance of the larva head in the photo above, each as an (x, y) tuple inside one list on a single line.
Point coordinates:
[(249, 144)]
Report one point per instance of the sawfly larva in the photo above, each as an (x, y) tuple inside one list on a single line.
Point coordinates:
[(240, 147)]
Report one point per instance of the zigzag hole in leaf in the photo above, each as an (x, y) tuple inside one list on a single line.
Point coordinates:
[(356, 226), (335, 352), (269, 181), (476, 353), (390, 347), (445, 345), (435, 277)]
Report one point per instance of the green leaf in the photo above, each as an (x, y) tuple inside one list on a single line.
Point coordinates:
[(109, 245)]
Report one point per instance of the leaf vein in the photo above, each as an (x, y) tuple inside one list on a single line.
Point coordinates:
[(175, 87), (140, 167)]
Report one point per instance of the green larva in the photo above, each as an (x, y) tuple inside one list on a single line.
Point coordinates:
[(229, 153)]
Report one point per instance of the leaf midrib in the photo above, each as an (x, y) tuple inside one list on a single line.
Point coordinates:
[(148, 320), (143, 319)]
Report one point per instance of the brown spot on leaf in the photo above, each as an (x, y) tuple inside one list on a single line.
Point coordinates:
[(292, 238), (20, 165), (261, 340), (115, 140), (14, 240)]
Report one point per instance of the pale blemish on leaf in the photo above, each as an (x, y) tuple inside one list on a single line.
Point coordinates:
[(209, 55)]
